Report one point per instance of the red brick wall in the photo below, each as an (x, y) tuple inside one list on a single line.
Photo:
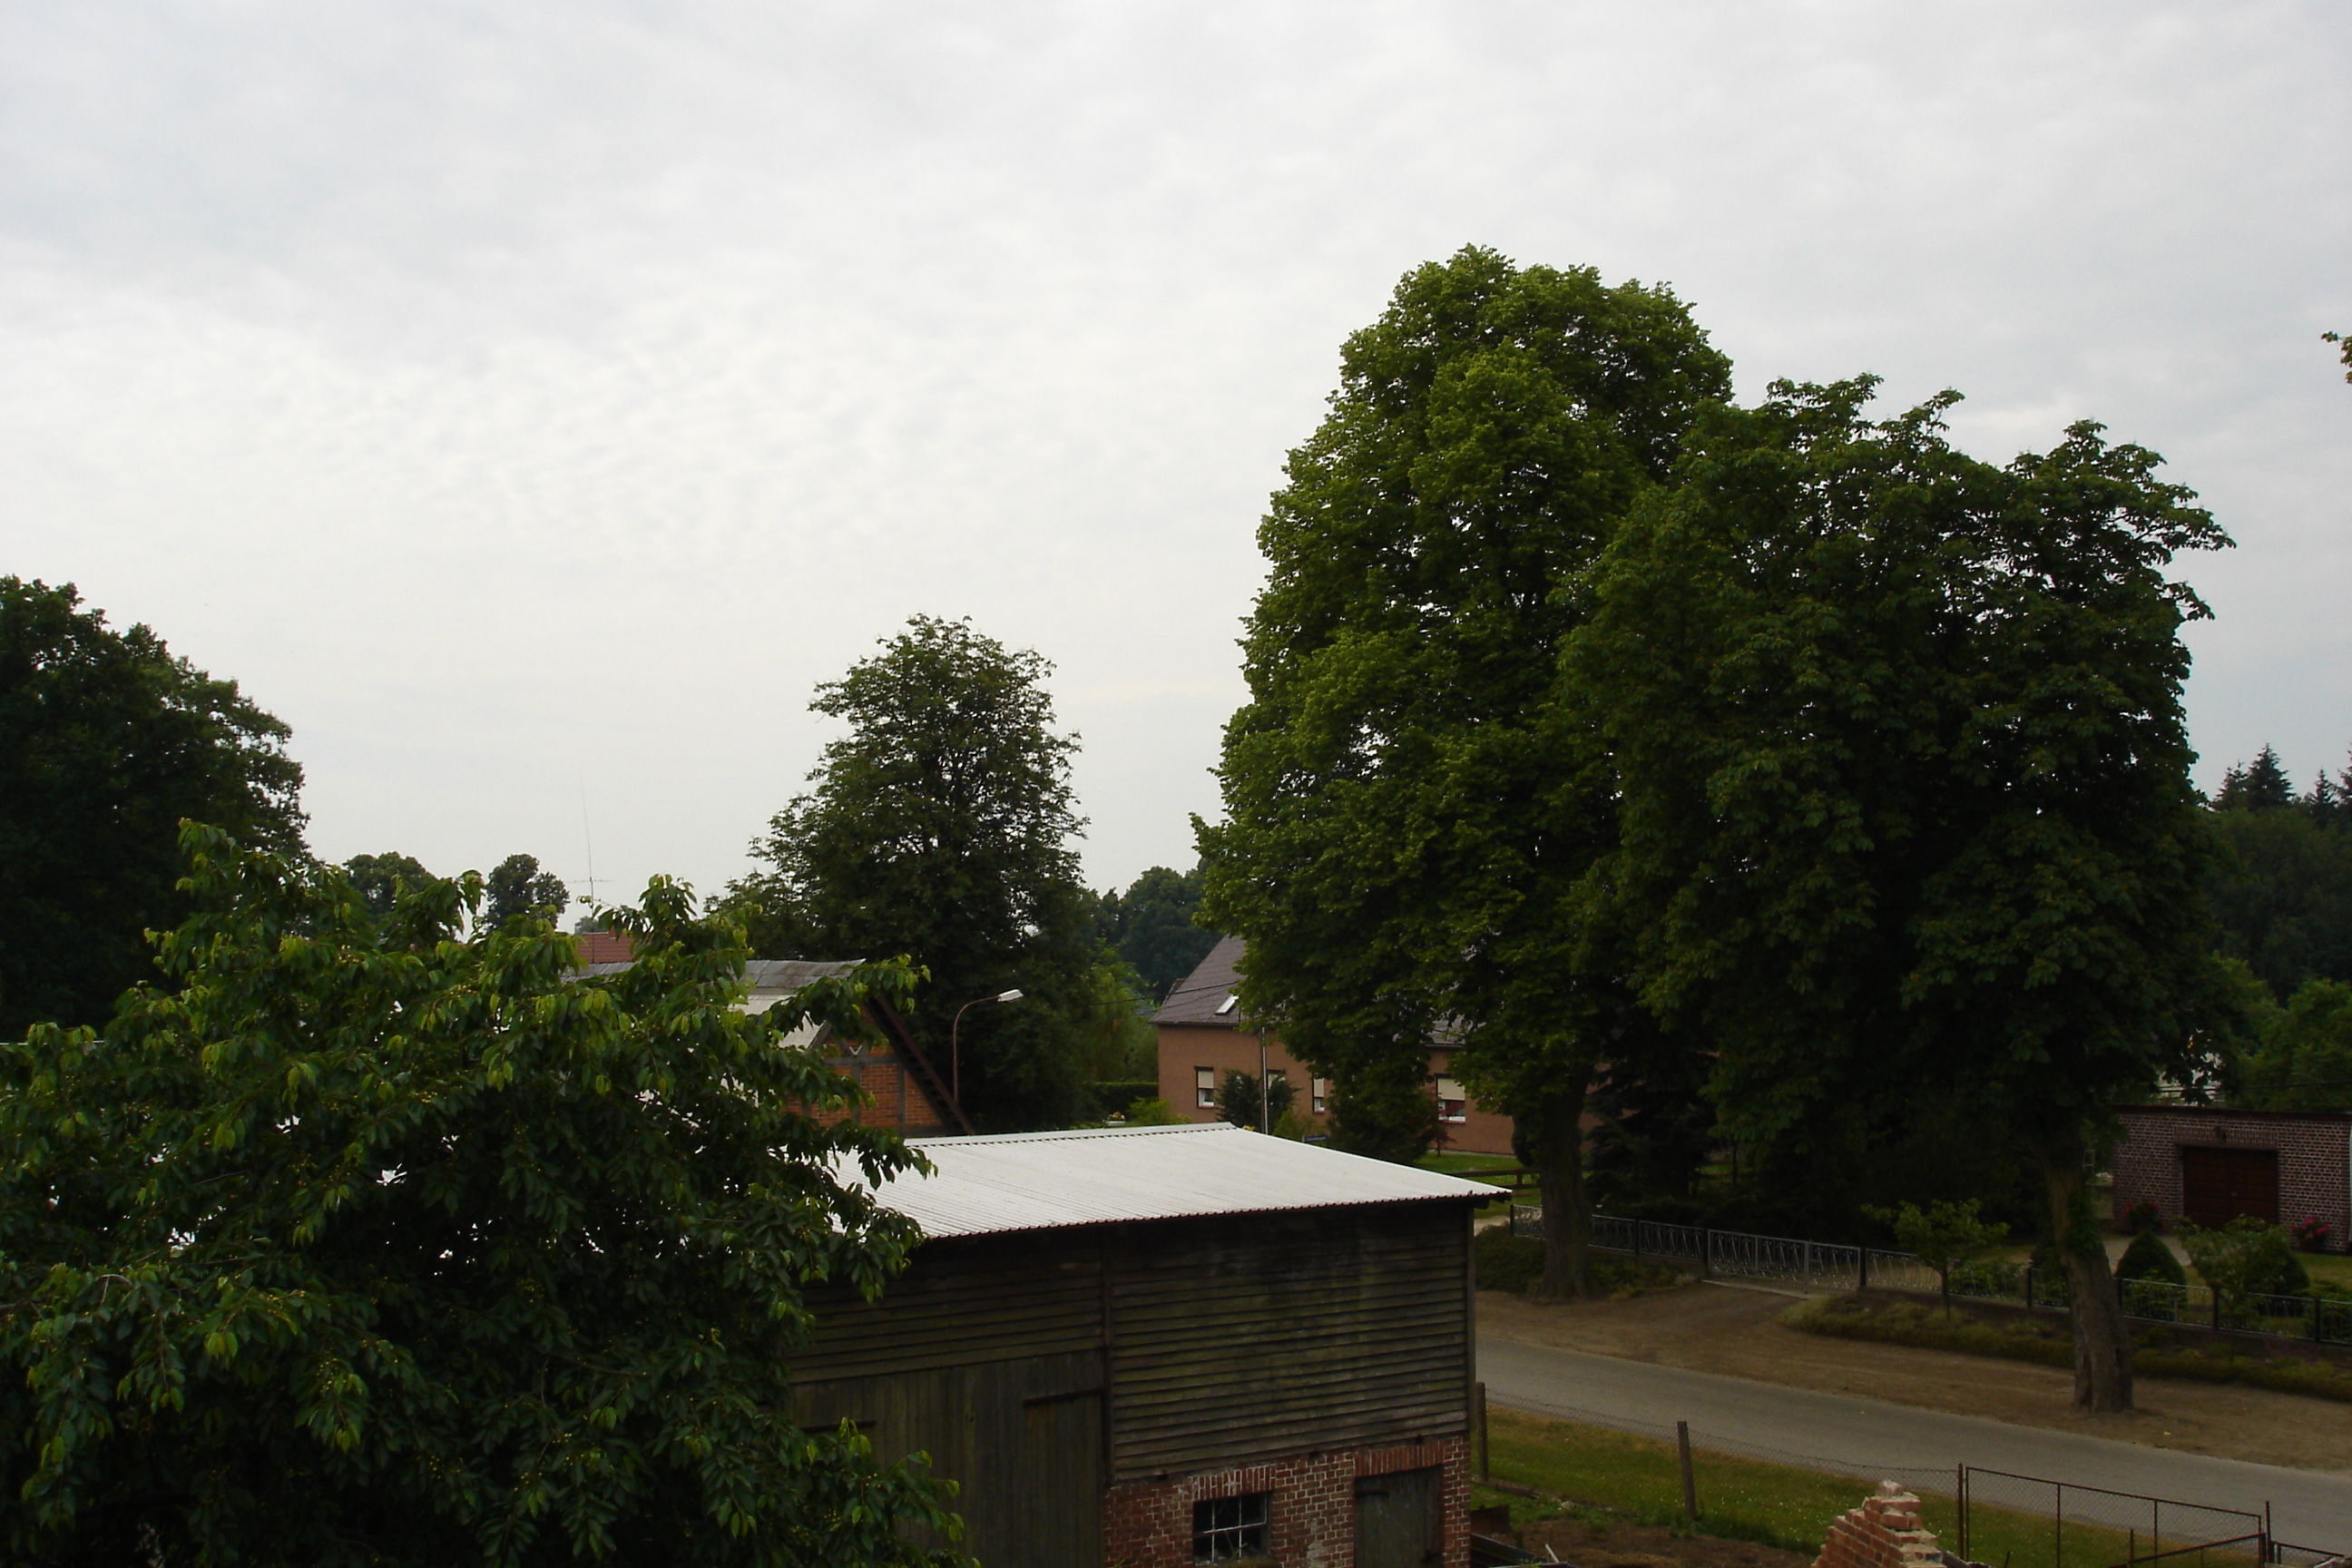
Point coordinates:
[(2314, 1160), (897, 1103), (1884, 1533), (1312, 1512), (1186, 1047)]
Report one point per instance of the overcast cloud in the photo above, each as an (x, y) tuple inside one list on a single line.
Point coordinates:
[(530, 403)]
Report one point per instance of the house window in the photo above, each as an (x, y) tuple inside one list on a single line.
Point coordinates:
[(1229, 1529), (1205, 1085), (1321, 1089), (1453, 1104)]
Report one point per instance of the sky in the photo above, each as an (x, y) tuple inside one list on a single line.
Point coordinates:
[(531, 403)]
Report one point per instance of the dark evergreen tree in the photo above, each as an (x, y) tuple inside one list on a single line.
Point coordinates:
[(2261, 786), (1239, 1102)]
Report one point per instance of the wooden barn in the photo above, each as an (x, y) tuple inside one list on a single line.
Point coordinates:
[(1169, 1345)]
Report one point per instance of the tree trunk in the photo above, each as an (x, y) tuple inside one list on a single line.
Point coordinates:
[(1555, 1138), (2103, 1369)]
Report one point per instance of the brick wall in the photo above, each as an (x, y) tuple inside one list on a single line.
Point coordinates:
[(1183, 1047), (1884, 1533), (897, 1102), (1312, 1510), (2315, 1158)]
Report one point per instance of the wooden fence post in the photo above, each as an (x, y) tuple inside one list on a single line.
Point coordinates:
[(1690, 1487)]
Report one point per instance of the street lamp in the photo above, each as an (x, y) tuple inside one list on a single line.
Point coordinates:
[(955, 1050)]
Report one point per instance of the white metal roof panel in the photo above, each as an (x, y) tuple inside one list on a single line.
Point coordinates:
[(1045, 1181)]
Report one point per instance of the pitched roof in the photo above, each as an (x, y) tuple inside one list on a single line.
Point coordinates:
[(1197, 998), (1050, 1181), (1206, 996)]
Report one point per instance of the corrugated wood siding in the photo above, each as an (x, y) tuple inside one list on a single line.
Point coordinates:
[(964, 1303), (1252, 1336), (1232, 1340), (1022, 1439)]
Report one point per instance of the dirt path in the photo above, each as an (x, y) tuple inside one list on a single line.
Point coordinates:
[(1738, 1332)]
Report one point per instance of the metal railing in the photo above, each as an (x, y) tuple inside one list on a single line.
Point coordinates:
[(2041, 1523), (1836, 1266)]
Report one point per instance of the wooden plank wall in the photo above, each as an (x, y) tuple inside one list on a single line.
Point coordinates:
[(1225, 1341), (1251, 1337)]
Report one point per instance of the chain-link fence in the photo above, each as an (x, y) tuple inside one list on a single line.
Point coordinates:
[(1834, 1266)]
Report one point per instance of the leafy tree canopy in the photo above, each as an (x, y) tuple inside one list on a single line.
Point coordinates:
[(516, 886), (1405, 818), (378, 879), (1151, 926), (374, 1243), (940, 827), (2304, 1057), (107, 742), (1904, 772)]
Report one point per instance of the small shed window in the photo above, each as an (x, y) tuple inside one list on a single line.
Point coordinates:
[(1205, 1085), (1229, 1529), (1453, 1104), (1322, 1092)]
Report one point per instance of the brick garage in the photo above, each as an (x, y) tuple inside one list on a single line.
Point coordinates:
[(2200, 1163), (1312, 1501)]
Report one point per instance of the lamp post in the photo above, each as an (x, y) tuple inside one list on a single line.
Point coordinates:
[(955, 1049)]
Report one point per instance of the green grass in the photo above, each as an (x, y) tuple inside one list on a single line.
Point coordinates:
[(1596, 1474), (2328, 1268), (2046, 1342)]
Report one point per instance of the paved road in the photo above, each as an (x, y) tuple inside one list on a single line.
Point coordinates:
[(1872, 1439)]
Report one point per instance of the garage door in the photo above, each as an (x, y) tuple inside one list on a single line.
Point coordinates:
[(2219, 1184)]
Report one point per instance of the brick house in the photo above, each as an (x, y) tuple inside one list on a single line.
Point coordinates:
[(908, 1095), (1157, 1346), (2209, 1165), (1203, 1036)]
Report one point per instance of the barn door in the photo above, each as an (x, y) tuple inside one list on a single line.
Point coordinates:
[(1396, 1520), (2219, 1184), (1058, 1500)]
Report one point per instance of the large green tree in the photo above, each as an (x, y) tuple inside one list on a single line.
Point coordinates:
[(1904, 782), (939, 826), (367, 1241), (1405, 815), (1151, 926), (107, 740)]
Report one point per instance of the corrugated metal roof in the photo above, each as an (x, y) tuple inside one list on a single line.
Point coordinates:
[(1046, 1181)]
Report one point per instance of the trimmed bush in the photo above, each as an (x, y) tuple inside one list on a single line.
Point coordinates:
[(2147, 1258)]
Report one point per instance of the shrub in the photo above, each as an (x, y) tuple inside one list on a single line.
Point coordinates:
[(2147, 1258), (1152, 1114), (1514, 1263), (2311, 1234), (1294, 1126), (2247, 1257), (2142, 1217)]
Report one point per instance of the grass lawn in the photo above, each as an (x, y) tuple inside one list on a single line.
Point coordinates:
[(1494, 1169), (1595, 1473), (2333, 1267)]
